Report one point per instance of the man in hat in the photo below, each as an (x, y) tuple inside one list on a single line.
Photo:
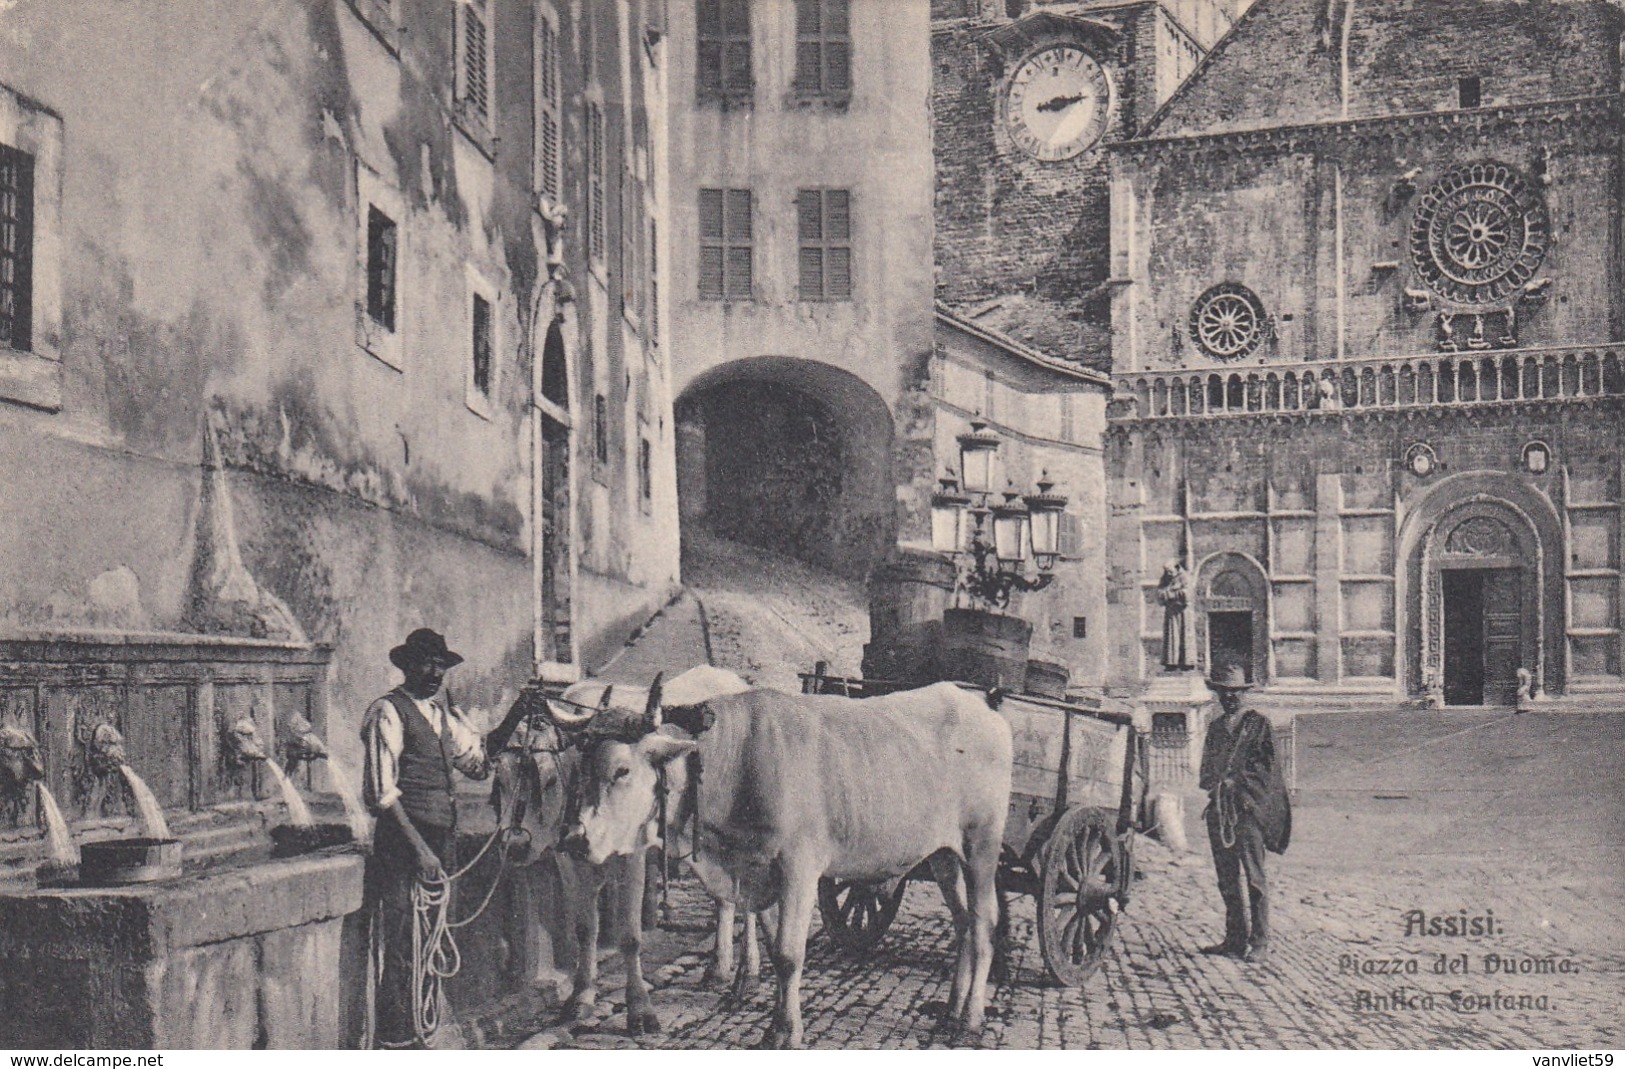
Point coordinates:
[(1246, 813), (412, 740)]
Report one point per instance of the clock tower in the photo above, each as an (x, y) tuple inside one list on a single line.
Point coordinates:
[(1024, 97)]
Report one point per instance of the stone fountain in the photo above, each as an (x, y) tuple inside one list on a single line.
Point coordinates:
[(200, 938)]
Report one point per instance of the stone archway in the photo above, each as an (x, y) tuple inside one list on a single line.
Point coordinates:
[(1481, 588), (793, 455), (1232, 615)]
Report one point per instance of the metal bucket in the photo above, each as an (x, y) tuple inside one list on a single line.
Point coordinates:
[(113, 862)]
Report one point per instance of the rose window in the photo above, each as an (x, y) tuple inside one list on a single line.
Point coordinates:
[(1228, 321), (1479, 234)]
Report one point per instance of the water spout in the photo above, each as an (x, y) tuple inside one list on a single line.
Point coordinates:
[(243, 747), (298, 812), (355, 814), (62, 851), (152, 814)]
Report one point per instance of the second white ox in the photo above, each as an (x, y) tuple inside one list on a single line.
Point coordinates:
[(795, 787)]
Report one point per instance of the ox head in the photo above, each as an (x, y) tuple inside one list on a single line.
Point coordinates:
[(623, 751)]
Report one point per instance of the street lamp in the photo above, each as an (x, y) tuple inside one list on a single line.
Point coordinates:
[(1020, 524)]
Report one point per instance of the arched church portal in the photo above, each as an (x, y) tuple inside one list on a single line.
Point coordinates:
[(1481, 604), (1232, 615)]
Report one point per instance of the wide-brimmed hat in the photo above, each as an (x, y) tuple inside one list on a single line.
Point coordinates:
[(422, 646), (1230, 677)]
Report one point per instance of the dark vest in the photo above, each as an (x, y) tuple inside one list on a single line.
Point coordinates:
[(423, 773)]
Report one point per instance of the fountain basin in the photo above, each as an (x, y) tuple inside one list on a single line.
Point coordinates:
[(239, 956), (291, 840), (117, 862)]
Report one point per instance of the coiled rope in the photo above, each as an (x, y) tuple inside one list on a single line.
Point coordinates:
[(435, 957)]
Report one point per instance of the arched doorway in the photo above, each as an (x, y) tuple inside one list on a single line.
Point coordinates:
[(1481, 589), (1232, 615), (1482, 599), (791, 455)]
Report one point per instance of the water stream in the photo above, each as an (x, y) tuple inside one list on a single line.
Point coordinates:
[(298, 812), (152, 814), (57, 839), (354, 813)]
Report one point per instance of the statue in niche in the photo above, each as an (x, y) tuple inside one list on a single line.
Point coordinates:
[(1173, 591)]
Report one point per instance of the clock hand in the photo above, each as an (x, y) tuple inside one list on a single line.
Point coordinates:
[(1058, 103)]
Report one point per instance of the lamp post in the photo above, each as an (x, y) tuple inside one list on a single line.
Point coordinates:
[(994, 561)]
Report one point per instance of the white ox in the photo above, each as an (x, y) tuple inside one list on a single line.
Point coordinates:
[(796, 787)]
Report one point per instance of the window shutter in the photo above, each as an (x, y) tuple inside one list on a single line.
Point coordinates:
[(739, 280), (550, 161), (482, 345), (738, 215), (837, 215), (710, 67), (595, 166), (812, 273), (839, 273), (711, 215), (381, 237), (807, 16), (711, 273), (837, 67), (1071, 536), (550, 155), (736, 18), (16, 249), (810, 214), (476, 88)]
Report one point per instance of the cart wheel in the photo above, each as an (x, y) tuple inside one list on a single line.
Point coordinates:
[(1084, 865), (857, 914)]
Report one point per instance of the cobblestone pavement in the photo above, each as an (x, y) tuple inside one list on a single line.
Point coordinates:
[(1530, 837), (1155, 991)]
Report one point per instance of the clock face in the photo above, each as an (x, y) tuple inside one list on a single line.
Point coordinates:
[(1057, 102)]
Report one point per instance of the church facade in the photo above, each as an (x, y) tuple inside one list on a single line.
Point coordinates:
[(1365, 304)]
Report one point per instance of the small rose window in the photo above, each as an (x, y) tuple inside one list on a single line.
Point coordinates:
[(1228, 321)]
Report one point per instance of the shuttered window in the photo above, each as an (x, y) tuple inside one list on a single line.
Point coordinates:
[(16, 249), (631, 228), (654, 283), (725, 244), (482, 346), (549, 111), (823, 49), (824, 228), (474, 62), (381, 266), (600, 429), (723, 73), (595, 181)]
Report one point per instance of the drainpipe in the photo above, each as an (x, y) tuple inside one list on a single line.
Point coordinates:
[(1343, 93)]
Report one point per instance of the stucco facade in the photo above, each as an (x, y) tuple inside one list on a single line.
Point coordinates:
[(852, 358), (204, 188)]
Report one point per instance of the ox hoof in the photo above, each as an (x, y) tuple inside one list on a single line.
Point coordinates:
[(642, 1022), (580, 1007)]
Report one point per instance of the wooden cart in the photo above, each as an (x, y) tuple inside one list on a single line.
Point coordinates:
[(1077, 796)]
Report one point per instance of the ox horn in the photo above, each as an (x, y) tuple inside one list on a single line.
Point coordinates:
[(567, 716), (603, 700), (651, 711)]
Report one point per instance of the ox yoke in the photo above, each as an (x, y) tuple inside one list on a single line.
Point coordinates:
[(853, 788)]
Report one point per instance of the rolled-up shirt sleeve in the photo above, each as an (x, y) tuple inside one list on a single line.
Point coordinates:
[(467, 748), (382, 740)]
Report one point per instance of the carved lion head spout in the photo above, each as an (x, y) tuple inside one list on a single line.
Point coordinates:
[(243, 743), (106, 750), (303, 743), (20, 763)]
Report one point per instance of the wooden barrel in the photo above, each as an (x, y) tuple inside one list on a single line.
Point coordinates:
[(907, 595), (985, 648), (1048, 679)]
